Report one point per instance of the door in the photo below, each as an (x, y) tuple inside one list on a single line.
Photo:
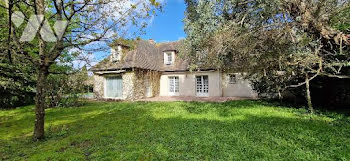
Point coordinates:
[(114, 87), (202, 86), (148, 90), (173, 86)]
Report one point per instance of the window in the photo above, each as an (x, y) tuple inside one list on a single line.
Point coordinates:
[(114, 87), (116, 57), (169, 58), (232, 78), (202, 86), (173, 85), (116, 54)]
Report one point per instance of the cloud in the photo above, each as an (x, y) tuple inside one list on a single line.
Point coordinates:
[(180, 38)]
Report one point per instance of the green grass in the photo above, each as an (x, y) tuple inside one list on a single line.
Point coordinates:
[(238, 130)]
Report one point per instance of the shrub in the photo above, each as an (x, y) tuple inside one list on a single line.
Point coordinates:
[(66, 90)]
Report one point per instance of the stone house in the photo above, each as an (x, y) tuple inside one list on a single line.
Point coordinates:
[(151, 69)]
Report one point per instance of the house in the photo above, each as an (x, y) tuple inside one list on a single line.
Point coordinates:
[(149, 69)]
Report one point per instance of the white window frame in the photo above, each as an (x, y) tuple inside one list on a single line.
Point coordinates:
[(176, 85), (167, 55), (201, 94)]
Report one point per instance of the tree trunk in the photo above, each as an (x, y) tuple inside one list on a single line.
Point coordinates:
[(40, 103), (39, 125), (9, 31), (308, 95)]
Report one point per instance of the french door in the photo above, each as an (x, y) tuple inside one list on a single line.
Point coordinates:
[(173, 86), (202, 86), (148, 87)]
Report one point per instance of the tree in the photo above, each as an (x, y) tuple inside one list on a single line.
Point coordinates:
[(77, 24), (17, 77), (280, 44)]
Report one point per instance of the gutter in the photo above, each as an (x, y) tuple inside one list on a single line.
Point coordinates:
[(110, 72)]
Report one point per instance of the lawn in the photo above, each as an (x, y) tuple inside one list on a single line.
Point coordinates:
[(237, 130)]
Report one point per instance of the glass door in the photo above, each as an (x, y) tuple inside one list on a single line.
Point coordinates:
[(173, 86), (114, 87), (202, 86)]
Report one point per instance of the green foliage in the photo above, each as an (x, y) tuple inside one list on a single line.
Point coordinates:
[(155, 3), (239, 130), (87, 22), (340, 20), (17, 77), (66, 89), (17, 84), (131, 43), (277, 43)]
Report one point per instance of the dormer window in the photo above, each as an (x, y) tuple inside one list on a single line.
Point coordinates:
[(116, 54), (169, 57)]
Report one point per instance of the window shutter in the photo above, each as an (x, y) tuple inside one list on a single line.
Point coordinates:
[(172, 57)]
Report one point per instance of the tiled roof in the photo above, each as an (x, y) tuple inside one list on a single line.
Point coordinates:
[(146, 55)]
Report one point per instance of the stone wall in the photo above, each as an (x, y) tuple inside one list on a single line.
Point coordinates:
[(98, 86), (140, 83), (155, 82), (134, 86), (128, 85), (140, 86)]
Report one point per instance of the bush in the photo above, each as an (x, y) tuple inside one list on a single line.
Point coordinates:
[(66, 90), (17, 85)]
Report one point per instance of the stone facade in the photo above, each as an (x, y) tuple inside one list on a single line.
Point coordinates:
[(144, 78), (98, 86), (128, 85), (138, 84), (145, 73), (134, 84)]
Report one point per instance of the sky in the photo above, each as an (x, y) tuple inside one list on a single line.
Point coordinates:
[(167, 25)]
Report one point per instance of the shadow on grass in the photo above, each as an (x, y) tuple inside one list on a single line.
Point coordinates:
[(186, 131)]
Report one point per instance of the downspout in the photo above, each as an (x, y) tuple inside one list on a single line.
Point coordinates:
[(221, 82)]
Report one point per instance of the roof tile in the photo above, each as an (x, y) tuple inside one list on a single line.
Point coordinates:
[(146, 55)]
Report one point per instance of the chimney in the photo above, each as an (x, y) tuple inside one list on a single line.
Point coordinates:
[(151, 41)]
